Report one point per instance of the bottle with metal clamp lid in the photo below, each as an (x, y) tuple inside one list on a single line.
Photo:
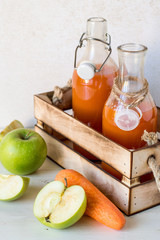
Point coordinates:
[(93, 75)]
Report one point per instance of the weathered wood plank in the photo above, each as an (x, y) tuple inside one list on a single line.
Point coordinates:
[(144, 196), (140, 157), (45, 97), (89, 139), (158, 121)]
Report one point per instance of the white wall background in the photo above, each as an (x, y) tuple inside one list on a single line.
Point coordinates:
[(38, 39)]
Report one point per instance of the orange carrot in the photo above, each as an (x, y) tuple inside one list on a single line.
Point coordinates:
[(99, 206)]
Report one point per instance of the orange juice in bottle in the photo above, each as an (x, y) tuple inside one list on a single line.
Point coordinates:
[(93, 76), (130, 108), (89, 97)]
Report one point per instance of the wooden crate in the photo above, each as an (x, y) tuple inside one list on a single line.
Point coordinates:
[(135, 191)]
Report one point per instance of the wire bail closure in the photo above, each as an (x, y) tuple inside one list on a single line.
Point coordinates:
[(82, 39)]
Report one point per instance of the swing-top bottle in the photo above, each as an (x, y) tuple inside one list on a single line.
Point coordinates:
[(93, 74)]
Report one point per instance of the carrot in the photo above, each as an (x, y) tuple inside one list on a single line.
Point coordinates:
[(99, 206)]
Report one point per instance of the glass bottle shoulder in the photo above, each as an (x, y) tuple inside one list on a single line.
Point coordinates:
[(116, 104)]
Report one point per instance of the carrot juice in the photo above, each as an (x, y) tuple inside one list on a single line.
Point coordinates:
[(88, 97), (130, 108), (93, 76), (130, 139)]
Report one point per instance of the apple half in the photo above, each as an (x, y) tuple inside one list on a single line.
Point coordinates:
[(12, 187), (59, 207)]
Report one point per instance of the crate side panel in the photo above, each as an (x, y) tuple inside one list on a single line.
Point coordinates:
[(140, 157), (67, 158), (98, 145), (45, 97), (144, 196), (158, 119)]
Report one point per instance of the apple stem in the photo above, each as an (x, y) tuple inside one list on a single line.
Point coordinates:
[(28, 135), (65, 182)]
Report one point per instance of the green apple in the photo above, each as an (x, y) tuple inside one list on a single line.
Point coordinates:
[(22, 151), (12, 187), (59, 207), (13, 125)]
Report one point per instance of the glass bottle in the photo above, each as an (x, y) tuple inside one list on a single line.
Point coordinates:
[(89, 95), (130, 108), (93, 76)]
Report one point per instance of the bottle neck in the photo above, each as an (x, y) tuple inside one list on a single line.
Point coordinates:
[(96, 50), (95, 46), (96, 28), (131, 67)]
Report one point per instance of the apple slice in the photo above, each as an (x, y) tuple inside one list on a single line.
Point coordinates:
[(12, 187), (59, 207), (13, 125)]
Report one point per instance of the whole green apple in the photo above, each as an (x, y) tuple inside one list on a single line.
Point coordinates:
[(22, 151)]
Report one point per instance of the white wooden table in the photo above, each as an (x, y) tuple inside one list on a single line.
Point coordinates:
[(17, 221)]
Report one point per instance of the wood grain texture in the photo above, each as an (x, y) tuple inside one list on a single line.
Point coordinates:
[(98, 145), (117, 192), (130, 182), (66, 101), (140, 158), (144, 196), (46, 97), (158, 119), (48, 129)]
